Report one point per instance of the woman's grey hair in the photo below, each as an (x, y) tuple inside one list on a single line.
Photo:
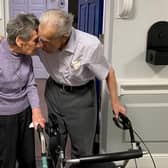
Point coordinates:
[(58, 18), (21, 26)]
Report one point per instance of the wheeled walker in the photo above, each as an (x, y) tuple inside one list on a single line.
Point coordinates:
[(94, 161)]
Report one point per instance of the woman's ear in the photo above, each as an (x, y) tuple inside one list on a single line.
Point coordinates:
[(19, 42)]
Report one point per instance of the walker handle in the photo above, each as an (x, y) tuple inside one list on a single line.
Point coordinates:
[(118, 156), (43, 146)]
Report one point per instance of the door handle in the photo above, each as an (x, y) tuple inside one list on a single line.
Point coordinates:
[(61, 3)]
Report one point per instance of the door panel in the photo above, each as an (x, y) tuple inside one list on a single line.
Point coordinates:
[(90, 14), (82, 22), (90, 19), (17, 6), (148, 114), (37, 7)]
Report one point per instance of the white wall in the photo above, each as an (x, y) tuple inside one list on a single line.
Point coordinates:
[(129, 41), (2, 16), (143, 88)]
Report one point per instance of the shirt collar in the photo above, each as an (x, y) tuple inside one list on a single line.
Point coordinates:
[(70, 47)]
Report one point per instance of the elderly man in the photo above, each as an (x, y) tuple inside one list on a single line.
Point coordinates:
[(73, 60), (19, 101)]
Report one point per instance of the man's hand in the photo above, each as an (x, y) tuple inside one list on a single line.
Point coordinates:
[(112, 85), (37, 117), (118, 108)]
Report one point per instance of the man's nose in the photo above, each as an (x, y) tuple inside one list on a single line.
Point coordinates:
[(39, 44)]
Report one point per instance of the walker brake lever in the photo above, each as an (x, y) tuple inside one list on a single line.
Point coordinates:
[(122, 122)]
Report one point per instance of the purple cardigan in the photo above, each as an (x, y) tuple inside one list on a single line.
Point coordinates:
[(17, 83)]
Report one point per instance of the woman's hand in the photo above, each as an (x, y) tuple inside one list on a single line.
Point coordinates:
[(37, 117)]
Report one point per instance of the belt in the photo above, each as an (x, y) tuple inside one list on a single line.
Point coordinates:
[(73, 88)]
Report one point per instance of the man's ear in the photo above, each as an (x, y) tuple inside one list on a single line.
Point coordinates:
[(66, 35), (19, 42)]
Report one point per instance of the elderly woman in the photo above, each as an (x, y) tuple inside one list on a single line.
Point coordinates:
[(19, 101)]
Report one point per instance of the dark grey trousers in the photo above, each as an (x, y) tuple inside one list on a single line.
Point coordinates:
[(76, 113)]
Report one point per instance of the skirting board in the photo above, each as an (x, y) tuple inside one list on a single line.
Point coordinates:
[(161, 161)]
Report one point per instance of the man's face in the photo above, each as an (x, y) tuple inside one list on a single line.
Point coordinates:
[(29, 47), (49, 42)]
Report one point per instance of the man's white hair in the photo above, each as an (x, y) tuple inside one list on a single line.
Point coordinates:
[(58, 18)]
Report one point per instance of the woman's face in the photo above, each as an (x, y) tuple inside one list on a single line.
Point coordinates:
[(29, 47)]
